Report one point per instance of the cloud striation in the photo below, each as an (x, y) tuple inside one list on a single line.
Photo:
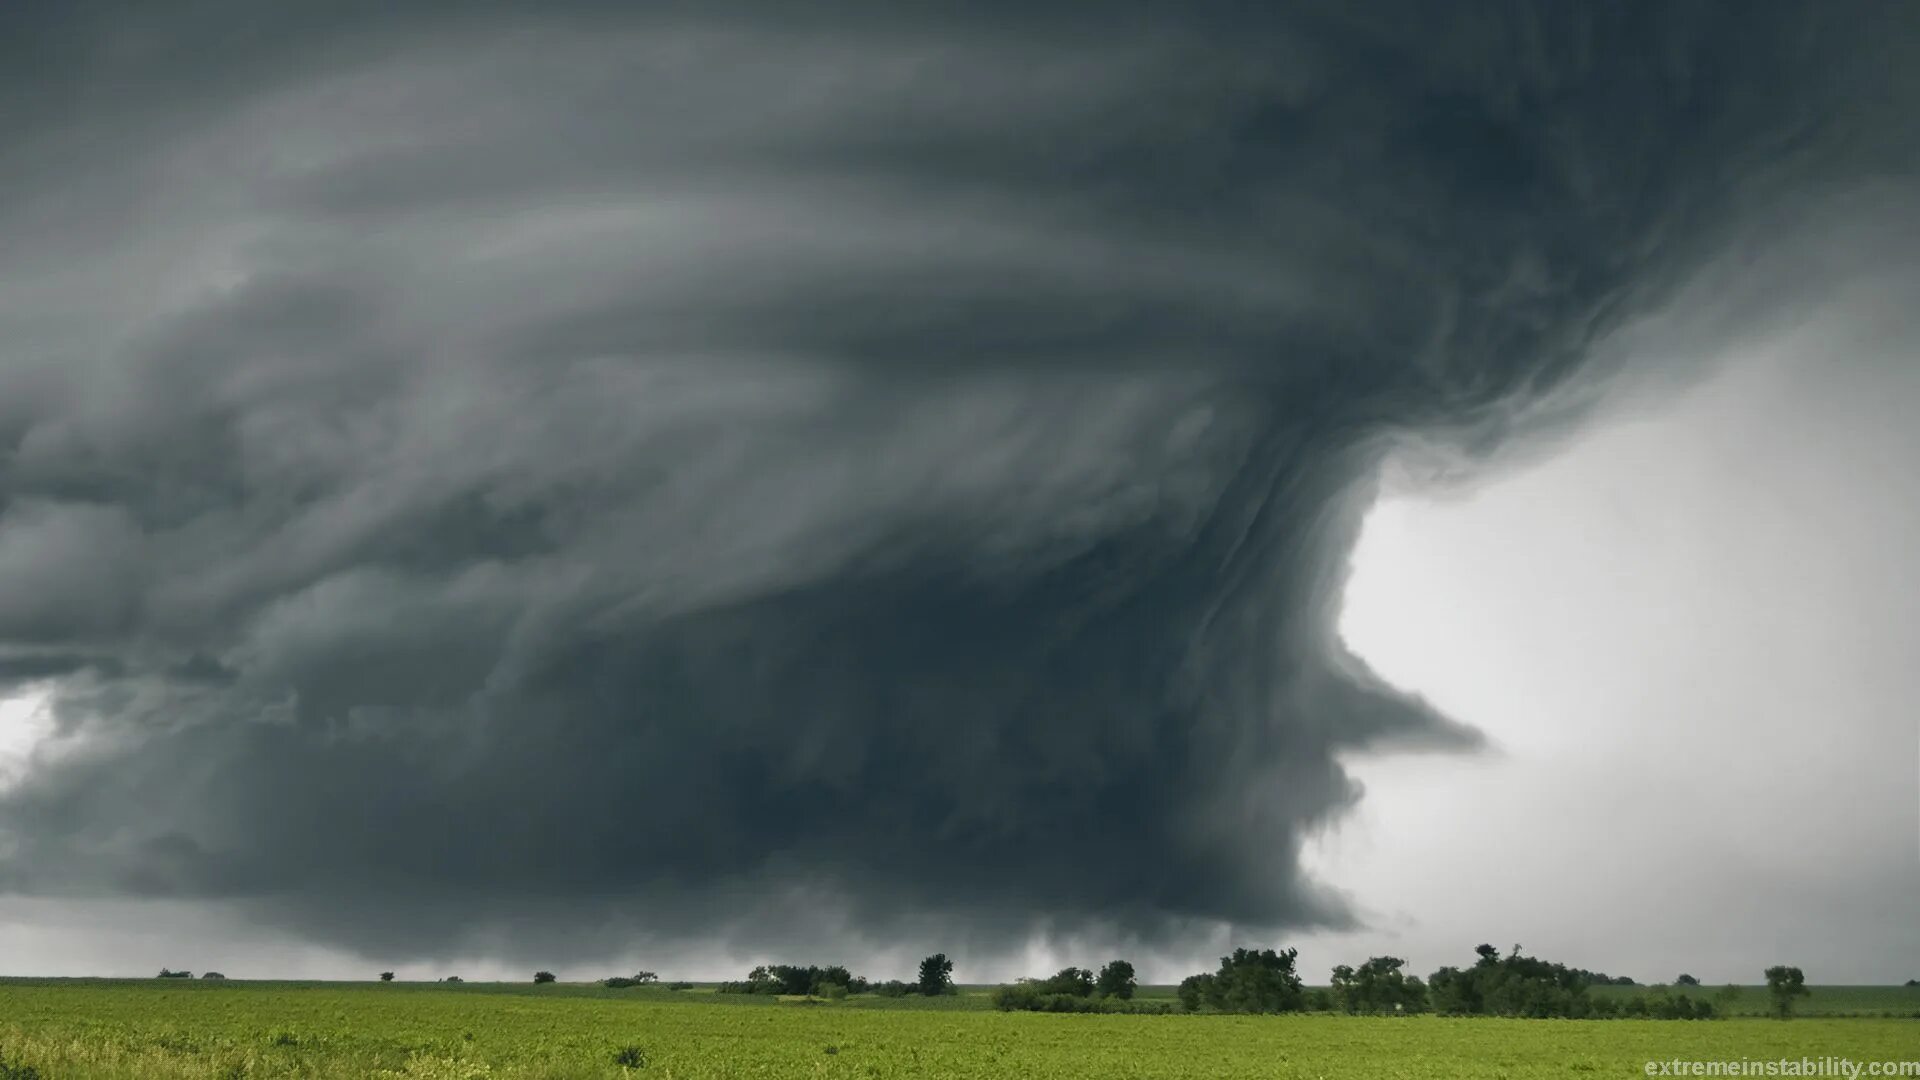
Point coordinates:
[(645, 469)]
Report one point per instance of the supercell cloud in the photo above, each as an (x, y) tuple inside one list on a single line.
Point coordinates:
[(640, 469)]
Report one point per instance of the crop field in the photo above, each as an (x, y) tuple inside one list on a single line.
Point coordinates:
[(147, 1029)]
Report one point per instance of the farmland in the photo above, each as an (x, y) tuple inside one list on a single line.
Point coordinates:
[(150, 1029)]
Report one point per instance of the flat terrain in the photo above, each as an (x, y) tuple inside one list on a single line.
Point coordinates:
[(154, 1029)]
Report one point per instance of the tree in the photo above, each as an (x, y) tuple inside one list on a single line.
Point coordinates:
[(1072, 981), (1785, 983), (211, 975), (1511, 985), (543, 977), (168, 973), (645, 977), (386, 976), (791, 980), (1686, 980), (1343, 988), (1116, 980), (1378, 986), (831, 976), (936, 975), (1196, 991), (1250, 982)]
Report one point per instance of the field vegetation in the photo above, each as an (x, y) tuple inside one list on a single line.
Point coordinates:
[(233, 1028)]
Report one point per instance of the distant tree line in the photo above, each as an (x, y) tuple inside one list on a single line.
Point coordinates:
[(1075, 989), (1520, 985), (1268, 981), (835, 981)]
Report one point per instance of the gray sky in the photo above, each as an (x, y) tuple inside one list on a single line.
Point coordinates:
[(607, 486), (1689, 634)]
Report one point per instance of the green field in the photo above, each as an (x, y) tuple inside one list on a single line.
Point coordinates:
[(152, 1029)]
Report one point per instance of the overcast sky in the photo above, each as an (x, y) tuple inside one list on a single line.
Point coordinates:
[(591, 486)]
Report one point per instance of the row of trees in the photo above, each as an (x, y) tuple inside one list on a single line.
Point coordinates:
[(835, 980), (1072, 989), (1267, 981)]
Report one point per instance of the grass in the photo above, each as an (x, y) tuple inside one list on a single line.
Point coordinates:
[(148, 1029)]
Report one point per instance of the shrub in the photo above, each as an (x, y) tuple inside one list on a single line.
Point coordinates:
[(678, 985), (630, 1057), (1029, 995), (17, 1072), (452, 979), (892, 988)]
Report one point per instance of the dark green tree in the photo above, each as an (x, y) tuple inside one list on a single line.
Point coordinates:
[(1344, 988), (386, 976), (1196, 992), (1785, 984), (832, 975), (1686, 980), (936, 975), (543, 976), (1117, 980), (1258, 982), (1073, 981), (1378, 986)]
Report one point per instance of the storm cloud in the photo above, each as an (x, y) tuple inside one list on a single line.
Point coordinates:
[(743, 475)]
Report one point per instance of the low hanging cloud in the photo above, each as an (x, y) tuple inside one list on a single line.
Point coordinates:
[(601, 471)]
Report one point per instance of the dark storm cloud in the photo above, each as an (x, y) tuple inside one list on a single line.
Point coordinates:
[(595, 470)]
